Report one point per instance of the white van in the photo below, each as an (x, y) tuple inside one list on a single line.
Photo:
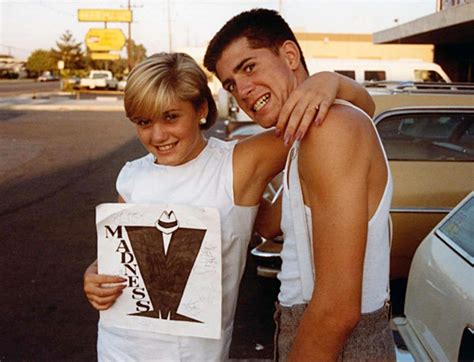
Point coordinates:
[(372, 70)]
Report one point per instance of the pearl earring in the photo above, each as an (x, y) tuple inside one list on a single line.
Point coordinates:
[(202, 121)]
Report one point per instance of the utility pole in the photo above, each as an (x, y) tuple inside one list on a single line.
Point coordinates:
[(170, 40), (129, 44)]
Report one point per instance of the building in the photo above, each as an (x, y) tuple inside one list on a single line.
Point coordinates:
[(11, 67), (450, 30), (359, 46)]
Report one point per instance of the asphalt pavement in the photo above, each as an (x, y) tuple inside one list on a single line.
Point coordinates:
[(60, 158)]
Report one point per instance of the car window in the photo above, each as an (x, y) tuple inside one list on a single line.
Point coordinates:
[(374, 75), (424, 75), (428, 136), (347, 73), (99, 75)]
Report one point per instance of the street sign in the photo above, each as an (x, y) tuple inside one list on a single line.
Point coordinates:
[(105, 39), (105, 56), (60, 64), (105, 15)]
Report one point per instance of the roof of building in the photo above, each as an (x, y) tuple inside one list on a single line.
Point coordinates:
[(455, 25)]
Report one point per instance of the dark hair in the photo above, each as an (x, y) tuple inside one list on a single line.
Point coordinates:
[(163, 77), (263, 28)]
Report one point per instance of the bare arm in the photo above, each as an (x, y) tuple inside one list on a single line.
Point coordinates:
[(267, 223), (319, 90), (334, 165)]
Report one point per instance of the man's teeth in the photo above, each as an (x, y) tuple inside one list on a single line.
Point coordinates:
[(166, 147), (261, 102)]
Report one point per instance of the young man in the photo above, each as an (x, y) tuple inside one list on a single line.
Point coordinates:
[(335, 202)]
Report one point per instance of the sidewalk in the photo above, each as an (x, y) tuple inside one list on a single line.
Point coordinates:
[(60, 101)]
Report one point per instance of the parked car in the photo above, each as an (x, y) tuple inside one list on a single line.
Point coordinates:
[(429, 140), (47, 77), (122, 84), (438, 320), (101, 79)]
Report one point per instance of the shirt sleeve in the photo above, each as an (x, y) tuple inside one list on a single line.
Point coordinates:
[(125, 180)]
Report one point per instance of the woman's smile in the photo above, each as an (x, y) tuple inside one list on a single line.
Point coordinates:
[(167, 147)]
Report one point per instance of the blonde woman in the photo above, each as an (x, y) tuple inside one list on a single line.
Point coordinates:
[(168, 100)]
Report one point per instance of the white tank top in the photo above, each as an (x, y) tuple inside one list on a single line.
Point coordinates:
[(205, 181), (297, 272)]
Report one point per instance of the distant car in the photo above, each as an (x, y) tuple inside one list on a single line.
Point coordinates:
[(99, 79), (73, 80), (122, 84), (47, 77)]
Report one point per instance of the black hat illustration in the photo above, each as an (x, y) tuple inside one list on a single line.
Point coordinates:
[(167, 222)]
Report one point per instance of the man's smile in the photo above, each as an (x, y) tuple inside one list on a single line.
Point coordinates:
[(260, 103)]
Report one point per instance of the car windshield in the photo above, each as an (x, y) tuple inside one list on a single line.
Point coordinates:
[(99, 75)]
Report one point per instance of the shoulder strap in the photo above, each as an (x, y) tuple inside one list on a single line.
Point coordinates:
[(300, 225)]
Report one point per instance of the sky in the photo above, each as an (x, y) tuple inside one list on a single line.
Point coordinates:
[(27, 25)]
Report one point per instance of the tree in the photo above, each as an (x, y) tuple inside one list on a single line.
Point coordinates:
[(69, 51), (138, 52), (41, 60)]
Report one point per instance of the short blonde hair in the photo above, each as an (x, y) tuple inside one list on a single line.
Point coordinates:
[(161, 78)]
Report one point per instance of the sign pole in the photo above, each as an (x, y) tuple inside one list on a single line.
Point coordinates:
[(170, 39), (129, 44)]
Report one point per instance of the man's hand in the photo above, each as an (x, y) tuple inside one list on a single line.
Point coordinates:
[(308, 104), (101, 297)]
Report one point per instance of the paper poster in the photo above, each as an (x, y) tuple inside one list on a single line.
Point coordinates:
[(171, 258)]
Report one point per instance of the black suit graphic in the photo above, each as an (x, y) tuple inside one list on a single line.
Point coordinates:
[(165, 275)]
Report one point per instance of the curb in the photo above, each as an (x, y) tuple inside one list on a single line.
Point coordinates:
[(63, 107), (53, 102)]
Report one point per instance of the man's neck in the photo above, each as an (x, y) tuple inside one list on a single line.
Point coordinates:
[(301, 75)]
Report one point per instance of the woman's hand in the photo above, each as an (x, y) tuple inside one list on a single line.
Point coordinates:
[(309, 103), (101, 297)]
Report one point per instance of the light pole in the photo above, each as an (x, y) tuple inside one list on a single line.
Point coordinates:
[(170, 40), (129, 43)]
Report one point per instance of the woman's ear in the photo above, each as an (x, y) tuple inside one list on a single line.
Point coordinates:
[(203, 110), (290, 51)]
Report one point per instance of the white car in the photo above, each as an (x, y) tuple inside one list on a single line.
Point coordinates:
[(47, 77), (122, 84), (100, 79), (438, 321)]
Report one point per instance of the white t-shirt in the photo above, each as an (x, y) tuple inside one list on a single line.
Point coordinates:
[(205, 181)]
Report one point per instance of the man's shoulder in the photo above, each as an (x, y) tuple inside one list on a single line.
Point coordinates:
[(343, 124)]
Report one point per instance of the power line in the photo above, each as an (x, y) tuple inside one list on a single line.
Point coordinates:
[(9, 47)]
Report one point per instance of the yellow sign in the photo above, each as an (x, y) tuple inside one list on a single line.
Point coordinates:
[(105, 56), (105, 39), (106, 15)]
